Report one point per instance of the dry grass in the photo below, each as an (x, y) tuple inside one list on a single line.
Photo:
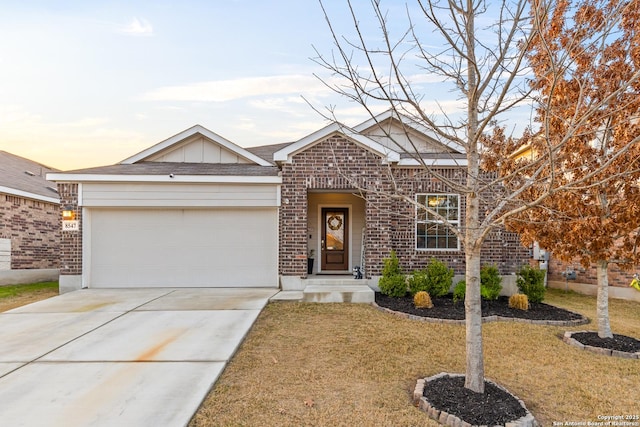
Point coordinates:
[(18, 295), (345, 365)]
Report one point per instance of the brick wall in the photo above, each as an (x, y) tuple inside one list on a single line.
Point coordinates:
[(617, 276), (501, 248), (338, 164), (34, 229), (71, 241), (334, 164)]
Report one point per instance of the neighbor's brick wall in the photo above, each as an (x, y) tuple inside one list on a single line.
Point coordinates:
[(71, 241), (334, 164), (617, 276), (34, 229)]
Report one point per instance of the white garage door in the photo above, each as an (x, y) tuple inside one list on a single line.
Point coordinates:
[(182, 247)]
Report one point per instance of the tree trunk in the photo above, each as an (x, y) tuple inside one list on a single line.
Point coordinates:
[(474, 379), (604, 328)]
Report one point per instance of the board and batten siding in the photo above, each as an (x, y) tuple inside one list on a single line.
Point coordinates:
[(198, 149), (179, 195)]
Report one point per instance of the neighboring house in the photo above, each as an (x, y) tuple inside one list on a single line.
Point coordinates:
[(198, 210), (572, 275), (29, 215)]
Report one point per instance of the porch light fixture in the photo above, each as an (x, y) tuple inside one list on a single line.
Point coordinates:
[(68, 214)]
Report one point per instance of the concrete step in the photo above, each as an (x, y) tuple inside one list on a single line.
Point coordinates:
[(338, 293), (333, 281)]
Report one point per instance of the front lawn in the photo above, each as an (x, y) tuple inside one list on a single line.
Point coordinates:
[(13, 296), (349, 364)]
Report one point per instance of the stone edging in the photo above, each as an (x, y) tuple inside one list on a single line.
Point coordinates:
[(451, 420), (598, 350), (487, 319)]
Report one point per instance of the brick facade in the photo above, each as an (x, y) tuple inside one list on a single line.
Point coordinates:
[(334, 164), (339, 164), (71, 241), (617, 276), (34, 229)]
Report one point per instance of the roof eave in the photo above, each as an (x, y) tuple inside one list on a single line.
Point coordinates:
[(192, 179), (29, 195)]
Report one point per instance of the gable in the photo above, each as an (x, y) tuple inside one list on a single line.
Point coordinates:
[(197, 149), (397, 136), (197, 145), (285, 154), (392, 129)]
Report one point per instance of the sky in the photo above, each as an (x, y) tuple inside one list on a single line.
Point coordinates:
[(90, 83)]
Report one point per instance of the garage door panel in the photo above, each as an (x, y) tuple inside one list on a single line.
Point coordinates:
[(175, 247)]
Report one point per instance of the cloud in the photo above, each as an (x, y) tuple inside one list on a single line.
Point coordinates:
[(228, 90), (138, 27)]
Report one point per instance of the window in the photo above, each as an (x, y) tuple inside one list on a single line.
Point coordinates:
[(431, 231)]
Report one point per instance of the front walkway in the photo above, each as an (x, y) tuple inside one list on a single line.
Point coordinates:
[(125, 357)]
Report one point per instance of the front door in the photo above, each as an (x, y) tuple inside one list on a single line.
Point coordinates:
[(335, 239)]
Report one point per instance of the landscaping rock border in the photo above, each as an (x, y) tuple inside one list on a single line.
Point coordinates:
[(451, 420), (598, 350), (488, 319)]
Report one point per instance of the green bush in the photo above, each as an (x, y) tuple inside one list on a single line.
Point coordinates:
[(435, 279), (392, 283), (490, 282), (459, 291), (417, 281), (530, 282)]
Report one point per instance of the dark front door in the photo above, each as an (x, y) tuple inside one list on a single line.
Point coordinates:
[(335, 239)]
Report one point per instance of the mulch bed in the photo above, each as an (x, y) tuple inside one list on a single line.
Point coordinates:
[(618, 342), (445, 308), (494, 407)]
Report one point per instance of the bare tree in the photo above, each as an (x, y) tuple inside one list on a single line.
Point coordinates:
[(483, 59)]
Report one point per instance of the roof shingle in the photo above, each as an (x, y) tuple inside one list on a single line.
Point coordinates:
[(26, 175)]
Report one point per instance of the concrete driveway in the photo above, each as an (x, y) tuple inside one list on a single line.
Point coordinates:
[(119, 357)]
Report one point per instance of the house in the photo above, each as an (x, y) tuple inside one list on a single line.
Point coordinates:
[(29, 221), (198, 210)]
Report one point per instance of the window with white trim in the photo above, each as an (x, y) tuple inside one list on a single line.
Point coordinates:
[(431, 231)]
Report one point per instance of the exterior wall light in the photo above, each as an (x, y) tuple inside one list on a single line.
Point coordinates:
[(68, 214)]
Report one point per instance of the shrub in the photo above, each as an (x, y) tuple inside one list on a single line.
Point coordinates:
[(459, 291), (435, 279), (519, 301), (417, 282), (439, 278), (490, 282), (422, 300), (392, 283), (530, 282)]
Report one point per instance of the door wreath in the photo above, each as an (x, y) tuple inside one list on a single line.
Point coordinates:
[(334, 222)]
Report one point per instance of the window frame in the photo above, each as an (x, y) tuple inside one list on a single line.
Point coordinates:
[(425, 221)]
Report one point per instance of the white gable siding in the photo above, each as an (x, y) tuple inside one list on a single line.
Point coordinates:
[(198, 149), (399, 137), (179, 195)]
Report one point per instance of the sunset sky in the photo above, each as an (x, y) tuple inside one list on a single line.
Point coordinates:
[(90, 83)]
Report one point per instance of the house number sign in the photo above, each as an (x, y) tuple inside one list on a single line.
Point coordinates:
[(71, 225)]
